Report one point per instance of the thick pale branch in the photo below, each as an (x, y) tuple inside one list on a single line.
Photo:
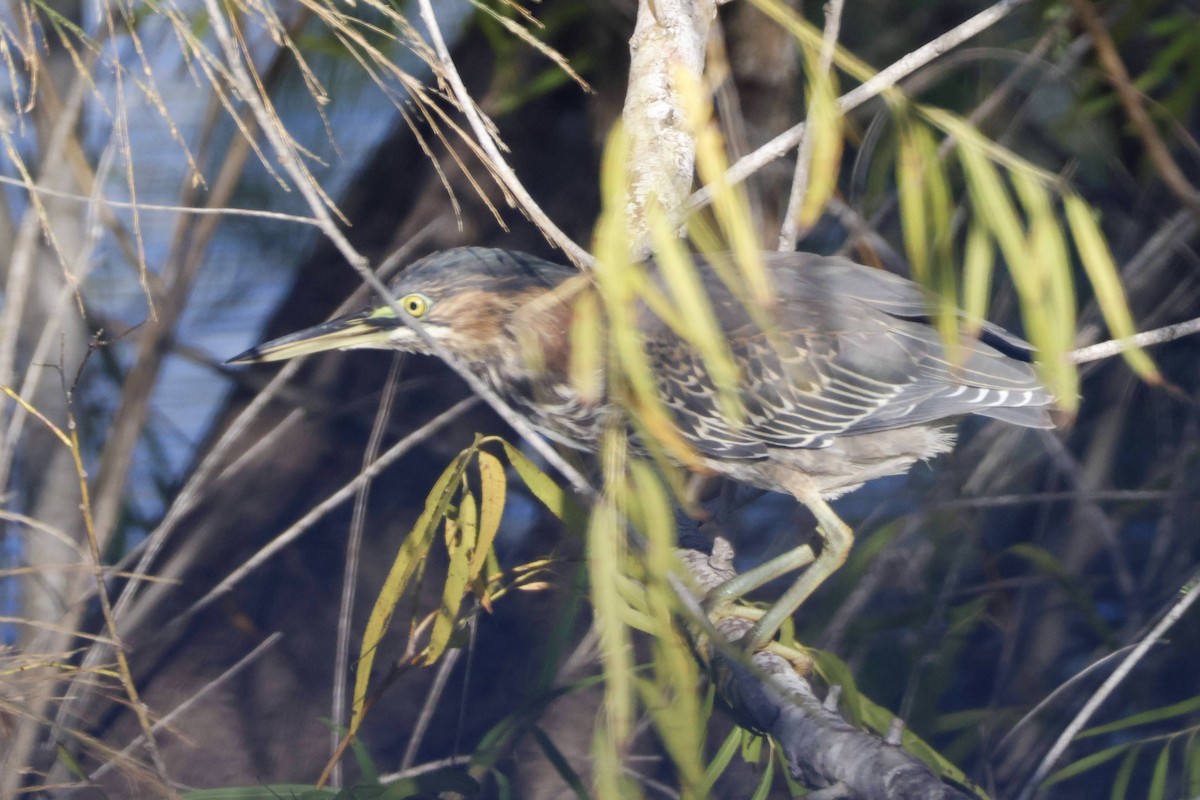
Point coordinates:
[(667, 46)]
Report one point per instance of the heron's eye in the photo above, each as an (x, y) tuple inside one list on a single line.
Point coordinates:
[(415, 304)]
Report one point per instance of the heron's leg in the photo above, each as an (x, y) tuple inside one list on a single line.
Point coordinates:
[(836, 538), (746, 582)]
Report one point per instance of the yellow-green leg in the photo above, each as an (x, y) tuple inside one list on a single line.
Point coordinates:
[(836, 538)]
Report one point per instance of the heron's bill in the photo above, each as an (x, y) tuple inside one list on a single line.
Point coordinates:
[(356, 330)]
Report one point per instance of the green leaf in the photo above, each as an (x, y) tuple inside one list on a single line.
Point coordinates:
[(410, 557), (1158, 779), (723, 757), (699, 322), (1121, 780), (752, 745), (1086, 763), (606, 557), (764, 783), (1192, 761), (493, 490), (910, 173), (461, 535), (835, 672), (823, 122), (278, 791), (559, 762), (979, 262), (1106, 281), (1046, 561), (557, 500), (1188, 706)]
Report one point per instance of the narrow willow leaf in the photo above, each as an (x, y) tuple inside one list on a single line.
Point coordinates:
[(608, 774), (1192, 759), (764, 783), (677, 711), (926, 211), (811, 37), (723, 757), (730, 207), (1086, 763), (1158, 779), (752, 745), (1106, 281), (557, 500), (910, 170), (411, 556), (560, 763), (493, 491), (1189, 706), (836, 672), (620, 283), (863, 711), (1045, 561), (1049, 265), (1120, 786), (605, 553), (823, 122), (587, 348), (968, 135), (992, 202), (978, 264), (461, 539)]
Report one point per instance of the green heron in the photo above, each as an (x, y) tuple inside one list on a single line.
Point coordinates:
[(852, 384)]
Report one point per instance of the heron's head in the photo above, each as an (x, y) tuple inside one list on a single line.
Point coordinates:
[(464, 299)]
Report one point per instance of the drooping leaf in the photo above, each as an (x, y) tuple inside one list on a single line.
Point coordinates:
[(411, 555), (1106, 281)]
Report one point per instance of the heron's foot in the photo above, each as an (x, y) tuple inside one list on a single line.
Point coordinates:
[(795, 655)]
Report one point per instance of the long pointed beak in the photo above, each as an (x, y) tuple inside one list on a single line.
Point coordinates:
[(369, 328)]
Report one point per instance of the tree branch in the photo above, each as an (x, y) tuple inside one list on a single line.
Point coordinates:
[(821, 748)]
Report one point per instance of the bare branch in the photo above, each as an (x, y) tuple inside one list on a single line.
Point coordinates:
[(1190, 592), (821, 748), (1113, 347), (885, 79), (791, 219), (667, 46), (486, 139)]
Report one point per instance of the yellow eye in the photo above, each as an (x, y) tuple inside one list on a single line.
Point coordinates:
[(415, 304)]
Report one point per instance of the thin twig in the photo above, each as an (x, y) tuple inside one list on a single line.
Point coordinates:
[(883, 80), (196, 211), (318, 511), (1114, 347), (199, 695), (1191, 591), (358, 523), (791, 219), (306, 185), (441, 678), (1131, 100), (486, 140)]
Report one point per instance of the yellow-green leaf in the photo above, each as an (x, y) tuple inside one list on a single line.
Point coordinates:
[(493, 490), (1086, 763), (1106, 281), (408, 559), (823, 123), (605, 552), (557, 500), (978, 263)]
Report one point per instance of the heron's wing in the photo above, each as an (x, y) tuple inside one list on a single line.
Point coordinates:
[(852, 353)]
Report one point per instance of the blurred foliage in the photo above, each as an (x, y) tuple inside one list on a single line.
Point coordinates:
[(949, 643)]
